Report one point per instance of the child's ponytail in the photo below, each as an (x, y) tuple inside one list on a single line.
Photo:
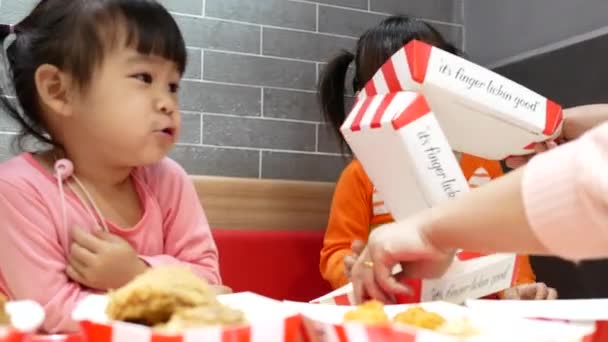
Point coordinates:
[(5, 31), (332, 92), (16, 74), (7, 94)]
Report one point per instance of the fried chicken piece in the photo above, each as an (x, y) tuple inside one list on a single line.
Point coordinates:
[(153, 297), (202, 316), (370, 312), (419, 317), (4, 318)]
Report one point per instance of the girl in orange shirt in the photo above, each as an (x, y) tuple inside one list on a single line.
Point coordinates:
[(357, 208)]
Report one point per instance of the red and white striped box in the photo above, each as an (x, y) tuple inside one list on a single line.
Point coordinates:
[(481, 112), (468, 277), (267, 320), (324, 323), (26, 318), (581, 312), (403, 150)]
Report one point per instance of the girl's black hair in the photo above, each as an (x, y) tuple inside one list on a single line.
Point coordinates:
[(75, 36), (374, 48)]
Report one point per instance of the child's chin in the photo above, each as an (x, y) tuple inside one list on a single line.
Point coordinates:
[(152, 158)]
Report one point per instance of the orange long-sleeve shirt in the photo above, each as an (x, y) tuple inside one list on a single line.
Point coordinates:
[(356, 209)]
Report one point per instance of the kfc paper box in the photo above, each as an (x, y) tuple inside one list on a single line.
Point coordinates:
[(406, 155), (427, 322), (265, 320), (481, 112), (403, 150), (585, 312), (466, 278), (19, 320)]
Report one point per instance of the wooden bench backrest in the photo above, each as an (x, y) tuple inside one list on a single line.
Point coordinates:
[(247, 203)]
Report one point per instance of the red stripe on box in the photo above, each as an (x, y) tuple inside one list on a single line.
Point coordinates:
[(370, 88), (342, 300), (469, 255), (390, 76), (96, 332), (293, 328), (601, 333), (306, 335), (416, 286), (417, 109), (388, 99), (388, 333), (356, 126), (242, 334), (165, 338), (13, 336), (340, 333), (553, 117), (418, 56)]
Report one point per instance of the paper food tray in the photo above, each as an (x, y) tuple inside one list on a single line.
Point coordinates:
[(325, 323), (267, 320), (573, 310), (481, 112), (466, 278), (583, 312), (26, 318), (403, 150)]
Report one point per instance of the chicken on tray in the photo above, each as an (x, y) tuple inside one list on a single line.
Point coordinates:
[(170, 299)]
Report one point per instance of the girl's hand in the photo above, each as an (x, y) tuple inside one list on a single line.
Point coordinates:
[(517, 161), (102, 261), (389, 245), (349, 261), (535, 291)]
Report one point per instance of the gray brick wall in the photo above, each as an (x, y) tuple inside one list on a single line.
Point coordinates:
[(248, 96)]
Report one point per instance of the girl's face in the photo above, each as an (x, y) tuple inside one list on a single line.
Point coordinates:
[(129, 112)]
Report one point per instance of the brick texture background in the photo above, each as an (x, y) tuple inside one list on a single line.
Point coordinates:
[(248, 96)]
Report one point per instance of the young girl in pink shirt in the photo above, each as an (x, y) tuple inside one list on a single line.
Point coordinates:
[(96, 82)]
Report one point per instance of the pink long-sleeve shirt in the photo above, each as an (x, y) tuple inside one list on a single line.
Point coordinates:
[(565, 193), (34, 243)]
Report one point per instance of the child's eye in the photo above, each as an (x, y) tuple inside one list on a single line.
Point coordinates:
[(144, 77), (174, 87)]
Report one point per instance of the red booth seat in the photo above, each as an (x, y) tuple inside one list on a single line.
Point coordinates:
[(281, 264)]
